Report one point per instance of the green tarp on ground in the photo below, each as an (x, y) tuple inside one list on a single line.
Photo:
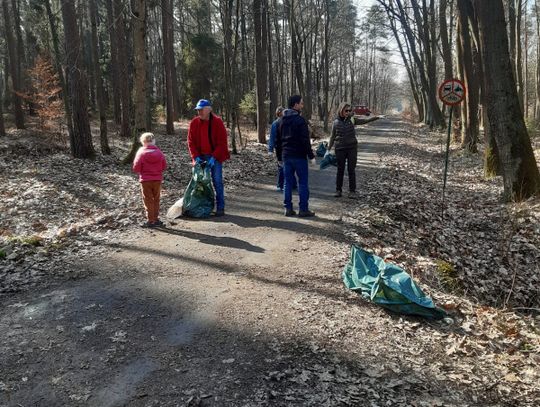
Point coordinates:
[(387, 285)]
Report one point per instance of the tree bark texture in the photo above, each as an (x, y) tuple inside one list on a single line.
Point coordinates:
[(470, 128), (81, 140), (123, 69), (260, 71), (520, 173), (115, 82), (166, 12), (445, 40), (104, 141), (139, 75), (13, 67), (58, 65), (2, 125)]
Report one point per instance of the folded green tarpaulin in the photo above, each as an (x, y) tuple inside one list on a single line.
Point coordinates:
[(387, 285)]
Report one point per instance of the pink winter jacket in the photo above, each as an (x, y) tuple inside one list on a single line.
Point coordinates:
[(149, 163)]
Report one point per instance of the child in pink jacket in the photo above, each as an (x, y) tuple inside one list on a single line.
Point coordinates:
[(150, 163)]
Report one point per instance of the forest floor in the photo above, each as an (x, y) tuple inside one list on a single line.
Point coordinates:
[(250, 309)]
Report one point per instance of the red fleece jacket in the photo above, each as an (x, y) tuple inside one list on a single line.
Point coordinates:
[(219, 139)]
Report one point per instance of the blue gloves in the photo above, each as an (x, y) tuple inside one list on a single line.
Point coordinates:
[(198, 160), (211, 162)]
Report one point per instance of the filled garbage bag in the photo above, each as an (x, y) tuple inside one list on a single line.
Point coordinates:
[(198, 200), (387, 285), (321, 149), (327, 161)]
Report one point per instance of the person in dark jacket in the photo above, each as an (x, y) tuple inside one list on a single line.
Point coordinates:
[(272, 146), (344, 141), (293, 148)]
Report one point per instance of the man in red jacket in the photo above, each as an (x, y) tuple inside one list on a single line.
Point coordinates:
[(207, 141)]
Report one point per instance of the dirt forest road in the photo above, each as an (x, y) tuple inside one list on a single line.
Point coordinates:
[(244, 310)]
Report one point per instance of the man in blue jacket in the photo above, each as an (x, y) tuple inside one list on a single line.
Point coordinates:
[(272, 146), (293, 149)]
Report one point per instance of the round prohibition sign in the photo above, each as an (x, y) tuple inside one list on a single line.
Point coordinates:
[(452, 92)]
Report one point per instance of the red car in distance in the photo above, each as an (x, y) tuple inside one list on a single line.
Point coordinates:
[(361, 110)]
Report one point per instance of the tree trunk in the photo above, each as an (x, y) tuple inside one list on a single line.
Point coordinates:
[(445, 40), (2, 125), (140, 75), (537, 76), (226, 11), (326, 65), (13, 67), (177, 104), (296, 53), (59, 69), (470, 129), (260, 71), (427, 74), (520, 172), (166, 11), (81, 140), (104, 141), (117, 111), (21, 56), (121, 41), (514, 19), (271, 74)]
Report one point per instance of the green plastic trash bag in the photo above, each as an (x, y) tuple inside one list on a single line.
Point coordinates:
[(321, 149), (387, 285), (327, 161), (199, 196)]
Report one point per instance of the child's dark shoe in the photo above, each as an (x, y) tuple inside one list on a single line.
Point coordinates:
[(147, 225)]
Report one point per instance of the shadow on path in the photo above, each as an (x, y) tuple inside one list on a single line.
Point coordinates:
[(213, 240)]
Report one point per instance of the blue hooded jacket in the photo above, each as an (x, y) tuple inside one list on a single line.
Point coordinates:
[(292, 139)]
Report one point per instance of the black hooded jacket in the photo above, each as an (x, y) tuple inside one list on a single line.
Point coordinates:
[(292, 139)]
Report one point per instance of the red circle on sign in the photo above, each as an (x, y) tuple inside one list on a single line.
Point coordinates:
[(452, 92)]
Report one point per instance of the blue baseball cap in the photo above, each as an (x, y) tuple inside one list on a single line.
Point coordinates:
[(203, 103)]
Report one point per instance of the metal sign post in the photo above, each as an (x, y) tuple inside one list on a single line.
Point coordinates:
[(451, 93)]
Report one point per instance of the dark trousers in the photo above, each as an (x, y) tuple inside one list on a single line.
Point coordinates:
[(348, 155)]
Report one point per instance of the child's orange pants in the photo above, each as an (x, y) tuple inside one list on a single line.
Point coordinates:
[(150, 193)]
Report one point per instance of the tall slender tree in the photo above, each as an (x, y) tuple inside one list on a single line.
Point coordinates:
[(58, 64), (123, 67), (104, 141), (469, 112), (114, 63), (260, 69), (140, 74), (13, 67), (168, 58), (81, 139), (2, 125)]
